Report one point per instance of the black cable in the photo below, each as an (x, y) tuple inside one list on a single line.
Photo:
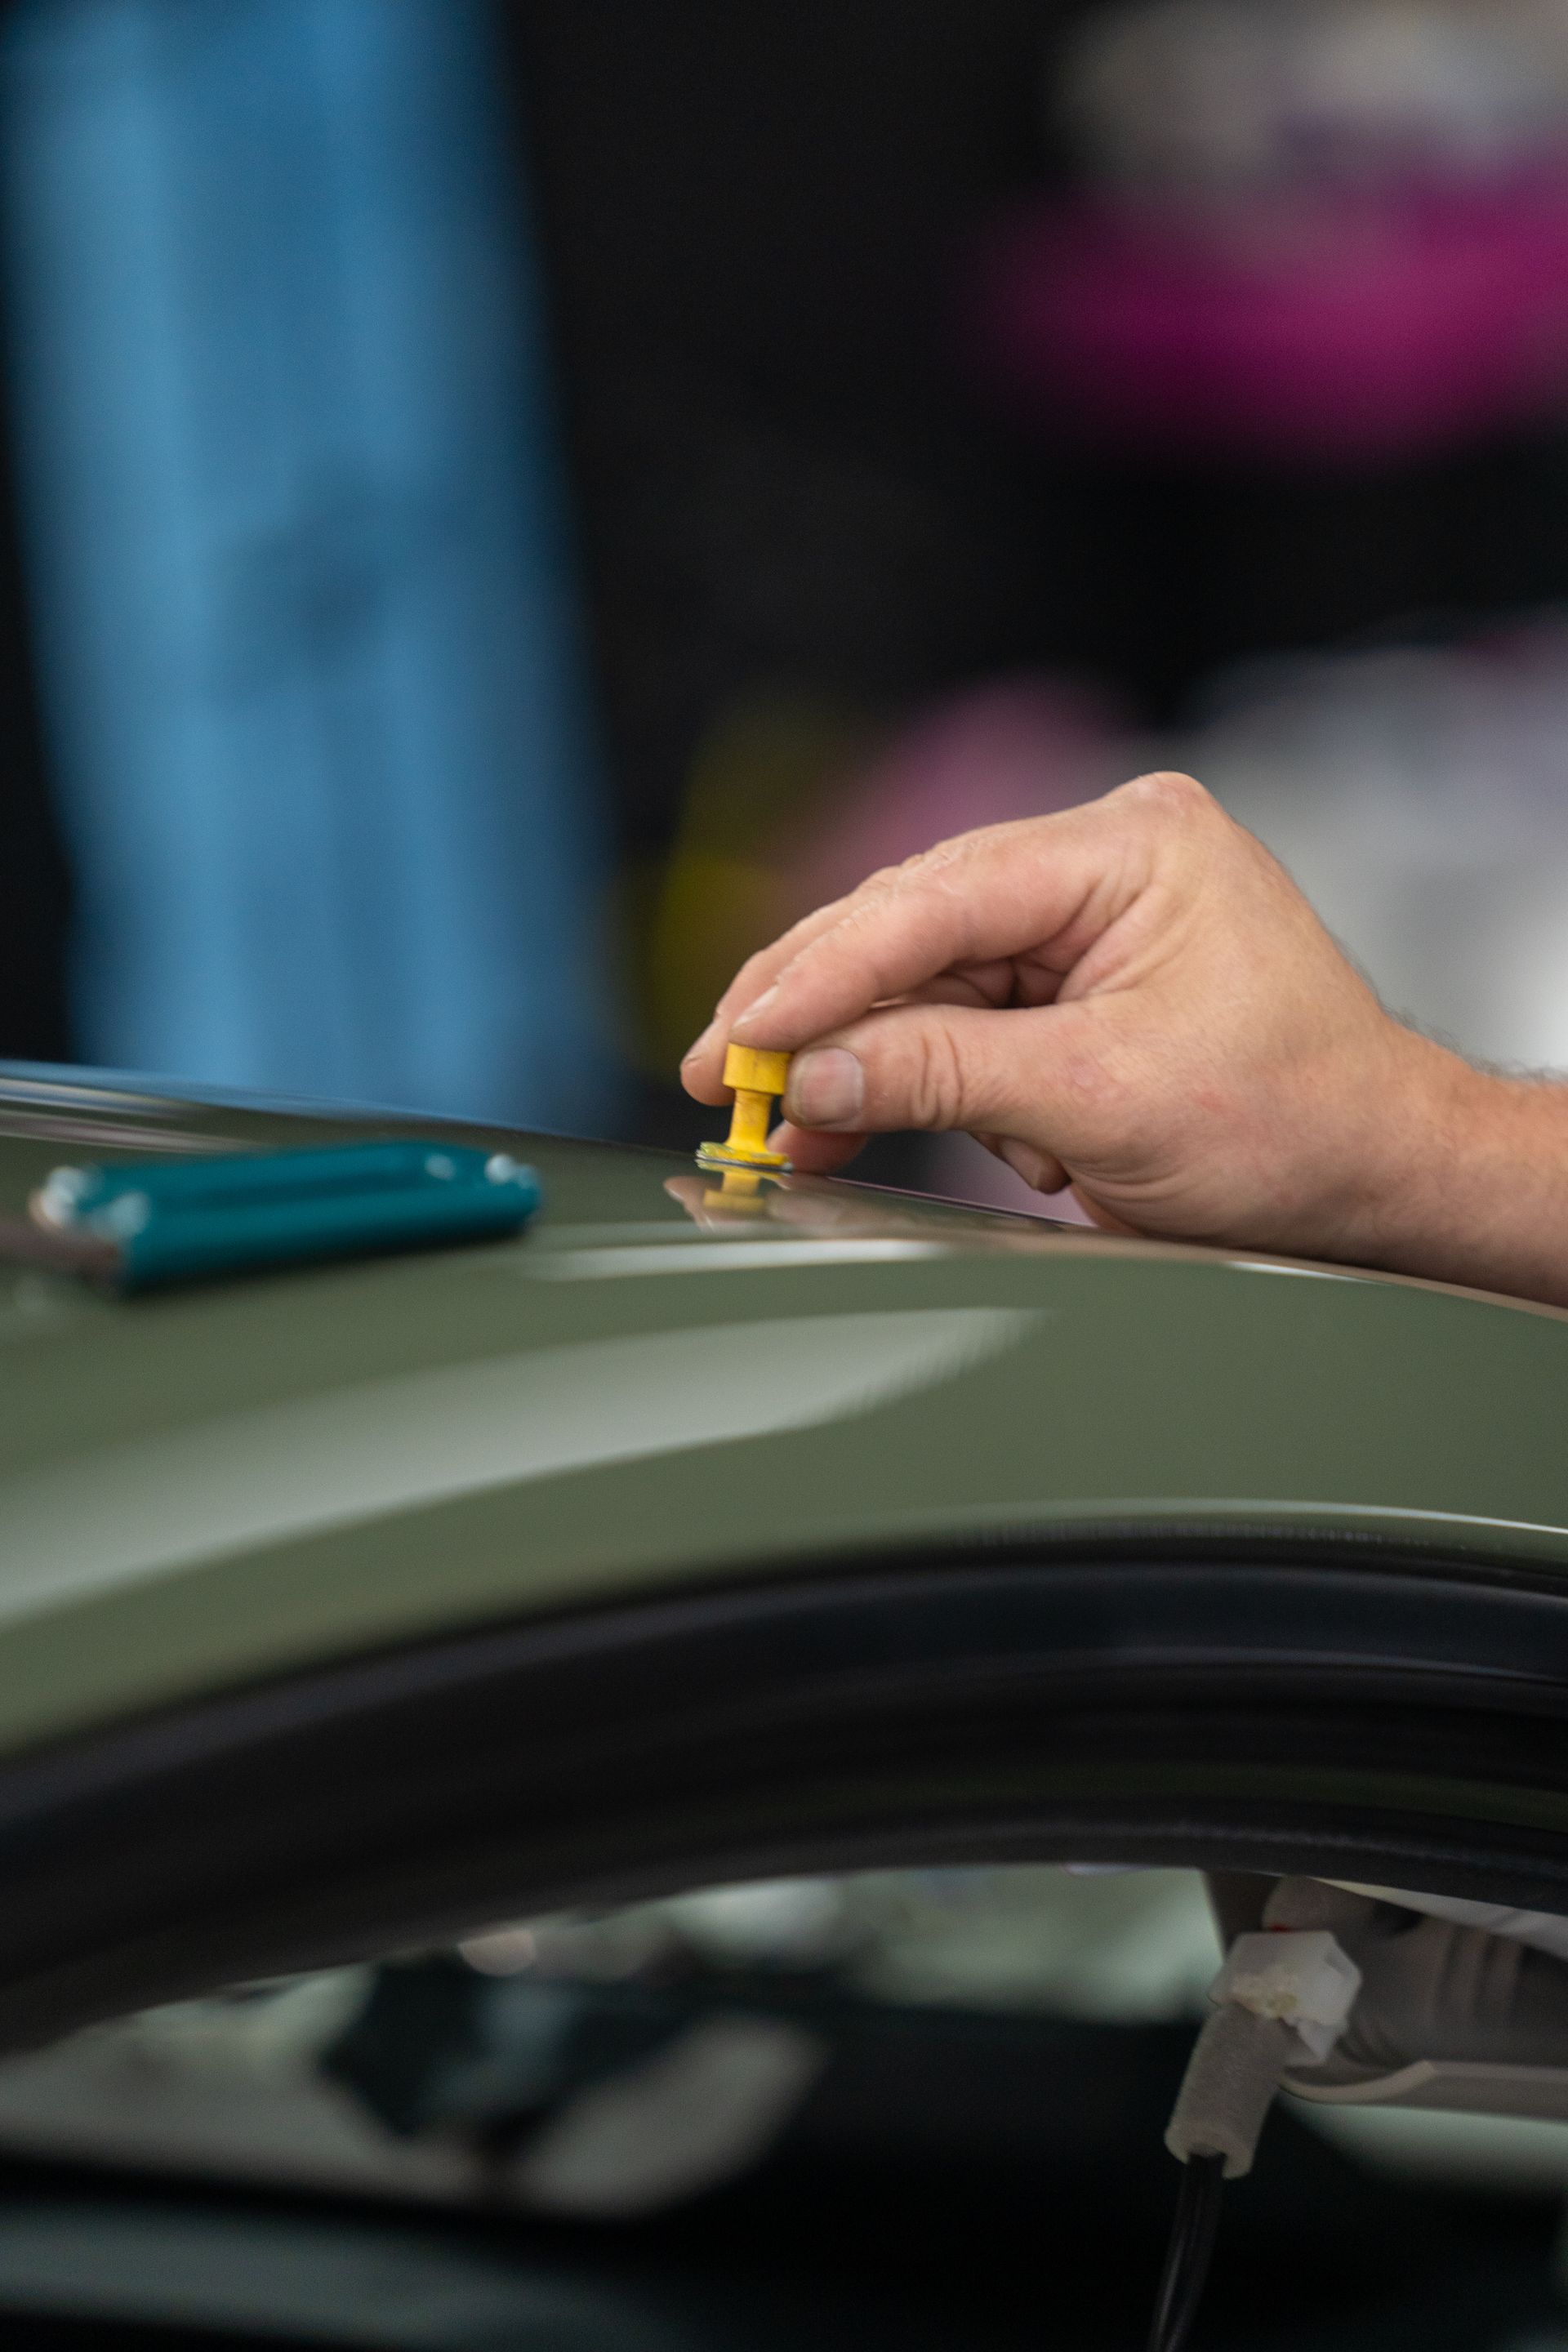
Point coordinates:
[(1187, 2255)]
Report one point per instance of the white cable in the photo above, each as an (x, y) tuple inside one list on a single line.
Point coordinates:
[(1281, 2002)]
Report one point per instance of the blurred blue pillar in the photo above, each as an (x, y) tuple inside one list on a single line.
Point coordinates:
[(293, 521)]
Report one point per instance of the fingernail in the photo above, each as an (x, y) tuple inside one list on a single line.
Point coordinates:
[(702, 1045), (826, 1088), (752, 1011)]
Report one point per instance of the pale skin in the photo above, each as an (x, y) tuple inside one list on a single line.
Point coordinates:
[(1134, 999)]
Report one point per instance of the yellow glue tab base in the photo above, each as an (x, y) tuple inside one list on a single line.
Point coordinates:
[(757, 1078)]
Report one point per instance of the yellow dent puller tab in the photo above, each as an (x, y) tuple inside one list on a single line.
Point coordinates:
[(759, 1073), (757, 1077)]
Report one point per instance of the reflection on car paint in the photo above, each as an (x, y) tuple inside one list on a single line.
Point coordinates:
[(359, 1453)]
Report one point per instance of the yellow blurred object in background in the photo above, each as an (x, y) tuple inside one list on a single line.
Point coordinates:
[(768, 776)]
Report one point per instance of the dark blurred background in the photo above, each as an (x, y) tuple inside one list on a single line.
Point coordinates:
[(506, 505)]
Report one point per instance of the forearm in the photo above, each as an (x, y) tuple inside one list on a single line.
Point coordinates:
[(1475, 1184)]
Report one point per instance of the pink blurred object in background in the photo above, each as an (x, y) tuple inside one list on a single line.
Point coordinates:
[(1019, 747), (1347, 325)]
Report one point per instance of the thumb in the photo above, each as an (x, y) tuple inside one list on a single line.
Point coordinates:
[(936, 1067)]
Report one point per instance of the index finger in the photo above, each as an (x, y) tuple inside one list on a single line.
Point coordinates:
[(1049, 885)]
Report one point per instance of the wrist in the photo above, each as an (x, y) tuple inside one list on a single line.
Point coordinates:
[(1467, 1176)]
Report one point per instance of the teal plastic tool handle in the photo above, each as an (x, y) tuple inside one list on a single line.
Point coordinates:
[(177, 1221), (244, 1176)]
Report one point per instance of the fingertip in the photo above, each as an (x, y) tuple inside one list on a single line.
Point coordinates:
[(703, 1071), (704, 1086), (1041, 1171)]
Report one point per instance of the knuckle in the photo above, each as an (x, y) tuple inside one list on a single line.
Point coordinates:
[(956, 849), (936, 1079), (1173, 795), (932, 857), (971, 848)]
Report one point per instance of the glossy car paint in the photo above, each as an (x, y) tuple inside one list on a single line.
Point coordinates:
[(661, 1386)]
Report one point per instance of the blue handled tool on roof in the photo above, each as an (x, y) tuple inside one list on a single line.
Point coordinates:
[(141, 1225)]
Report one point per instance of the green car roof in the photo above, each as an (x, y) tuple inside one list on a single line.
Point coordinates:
[(660, 1383)]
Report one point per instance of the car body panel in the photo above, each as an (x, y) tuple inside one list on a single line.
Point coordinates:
[(660, 1386)]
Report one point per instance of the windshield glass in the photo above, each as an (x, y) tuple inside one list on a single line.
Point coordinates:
[(953, 2058)]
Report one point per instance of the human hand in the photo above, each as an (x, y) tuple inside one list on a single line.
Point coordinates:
[(1131, 997)]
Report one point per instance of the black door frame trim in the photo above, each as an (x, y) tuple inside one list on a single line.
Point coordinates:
[(1253, 1702)]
